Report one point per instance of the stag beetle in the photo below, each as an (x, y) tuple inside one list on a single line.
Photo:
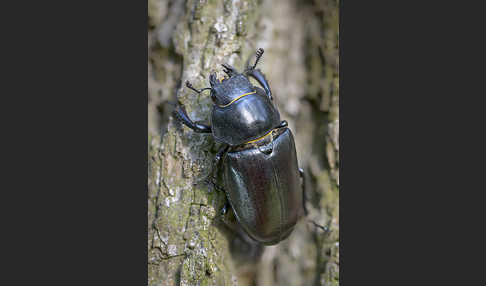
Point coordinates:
[(260, 174)]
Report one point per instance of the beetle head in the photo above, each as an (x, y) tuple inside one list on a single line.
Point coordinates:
[(224, 90)]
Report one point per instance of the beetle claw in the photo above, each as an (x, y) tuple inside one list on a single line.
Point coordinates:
[(229, 70)]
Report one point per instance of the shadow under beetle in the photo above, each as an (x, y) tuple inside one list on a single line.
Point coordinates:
[(257, 159)]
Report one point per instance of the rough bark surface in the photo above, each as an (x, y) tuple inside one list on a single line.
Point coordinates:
[(187, 243)]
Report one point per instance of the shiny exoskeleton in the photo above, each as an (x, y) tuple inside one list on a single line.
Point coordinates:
[(257, 160)]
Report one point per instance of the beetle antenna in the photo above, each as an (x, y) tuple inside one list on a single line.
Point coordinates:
[(259, 54), (189, 85)]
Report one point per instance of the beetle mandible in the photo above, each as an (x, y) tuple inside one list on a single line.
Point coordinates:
[(260, 173)]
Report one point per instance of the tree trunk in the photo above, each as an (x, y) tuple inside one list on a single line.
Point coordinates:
[(187, 243)]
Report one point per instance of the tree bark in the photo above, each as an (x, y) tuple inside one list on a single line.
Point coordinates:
[(187, 244)]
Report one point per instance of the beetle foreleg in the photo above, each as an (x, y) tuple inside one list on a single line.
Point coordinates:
[(181, 114)]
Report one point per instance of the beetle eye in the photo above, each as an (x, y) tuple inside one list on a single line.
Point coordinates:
[(213, 97)]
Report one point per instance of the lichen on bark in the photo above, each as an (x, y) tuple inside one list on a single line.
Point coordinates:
[(187, 245)]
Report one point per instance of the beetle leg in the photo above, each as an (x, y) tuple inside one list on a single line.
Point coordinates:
[(216, 163), (217, 158), (260, 78), (181, 114), (222, 150), (212, 178), (304, 197), (225, 208)]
